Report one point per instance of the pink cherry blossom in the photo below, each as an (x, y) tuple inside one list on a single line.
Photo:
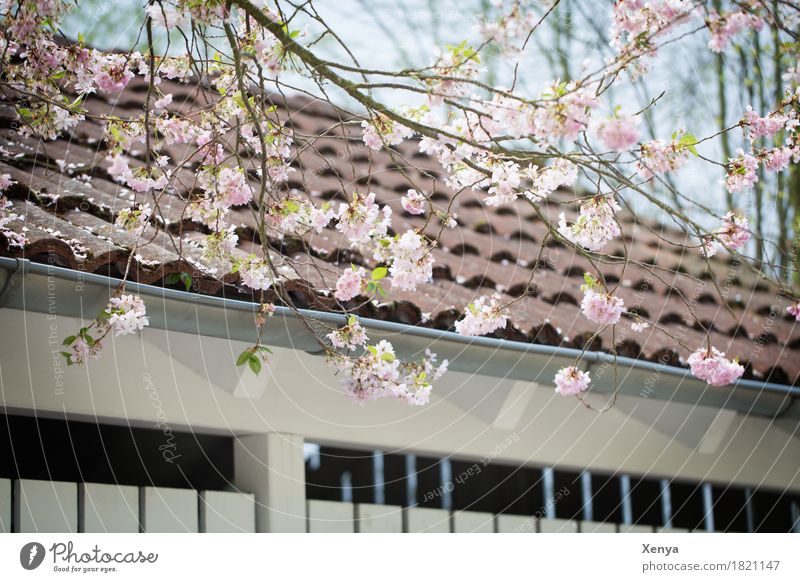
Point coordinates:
[(639, 326), (595, 225), (483, 317), (118, 169), (350, 336), (410, 260), (379, 373), (5, 182), (127, 314), (351, 282), (571, 381), (713, 367), (794, 310), (233, 187), (413, 202), (362, 219), (763, 126), (163, 101), (565, 112), (742, 172), (382, 129), (544, 181), (134, 220), (733, 234), (724, 27), (256, 273), (777, 159), (506, 178), (659, 157), (600, 307), (112, 73), (618, 133), (81, 351)]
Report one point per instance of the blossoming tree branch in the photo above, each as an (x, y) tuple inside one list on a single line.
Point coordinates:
[(506, 144)]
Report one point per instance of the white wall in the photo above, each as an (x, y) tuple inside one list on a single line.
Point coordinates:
[(197, 384)]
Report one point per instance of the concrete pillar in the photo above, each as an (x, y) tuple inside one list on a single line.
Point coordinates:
[(272, 467)]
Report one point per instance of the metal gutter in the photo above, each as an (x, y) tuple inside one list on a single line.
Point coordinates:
[(46, 288)]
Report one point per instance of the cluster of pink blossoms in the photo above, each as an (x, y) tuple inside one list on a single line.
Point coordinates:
[(256, 273), (413, 202), (351, 282), (571, 381), (659, 157), (713, 367), (742, 172), (134, 220), (618, 133), (763, 126), (733, 234), (595, 225), (112, 72), (506, 178), (350, 336), (566, 110), (127, 314), (296, 216), (724, 27), (457, 61), (379, 373), (382, 130), (778, 159), (636, 20), (598, 305), (482, 317), (409, 258), (362, 220), (138, 180)]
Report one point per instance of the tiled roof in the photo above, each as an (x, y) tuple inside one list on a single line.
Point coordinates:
[(69, 203)]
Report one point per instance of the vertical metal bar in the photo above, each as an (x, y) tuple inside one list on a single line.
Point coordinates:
[(795, 509), (586, 491), (378, 479), (748, 509), (708, 506), (411, 480), (346, 486), (548, 477), (666, 503), (625, 495), (447, 484)]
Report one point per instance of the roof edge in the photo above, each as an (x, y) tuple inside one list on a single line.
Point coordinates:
[(47, 288)]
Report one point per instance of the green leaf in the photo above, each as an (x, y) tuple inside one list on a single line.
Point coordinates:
[(588, 279), (373, 350), (689, 141), (255, 364), (291, 206), (187, 280), (379, 273), (244, 356), (387, 357), (263, 349), (351, 319), (69, 340)]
